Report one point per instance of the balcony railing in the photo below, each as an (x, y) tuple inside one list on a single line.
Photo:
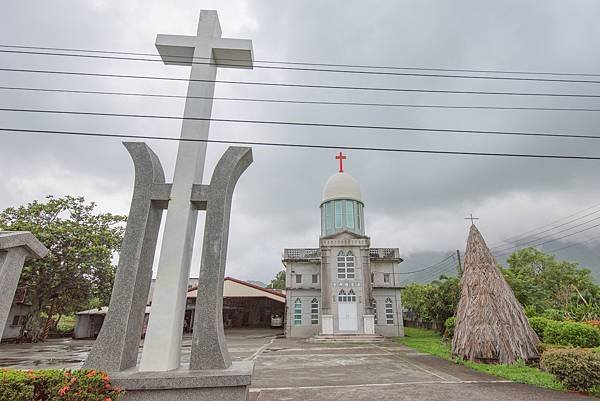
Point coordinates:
[(301, 253)]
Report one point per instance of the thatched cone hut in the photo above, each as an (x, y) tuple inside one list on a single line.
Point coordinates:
[(491, 325)]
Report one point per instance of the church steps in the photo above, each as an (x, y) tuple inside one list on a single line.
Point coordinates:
[(348, 338)]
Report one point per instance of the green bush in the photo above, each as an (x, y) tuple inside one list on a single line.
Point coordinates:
[(554, 314), (530, 311), (577, 369), (55, 385), (449, 326), (539, 324), (571, 333)]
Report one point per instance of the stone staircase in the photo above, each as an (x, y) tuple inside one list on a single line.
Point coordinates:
[(347, 338)]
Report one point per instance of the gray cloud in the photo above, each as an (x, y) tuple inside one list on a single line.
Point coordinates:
[(415, 202)]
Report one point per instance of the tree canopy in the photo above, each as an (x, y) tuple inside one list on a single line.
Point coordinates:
[(433, 302), (540, 281), (78, 271), (278, 281)]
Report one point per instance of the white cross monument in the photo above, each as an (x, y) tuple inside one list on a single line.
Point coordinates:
[(204, 52)]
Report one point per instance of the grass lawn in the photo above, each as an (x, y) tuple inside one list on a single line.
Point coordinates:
[(431, 342), (66, 324)]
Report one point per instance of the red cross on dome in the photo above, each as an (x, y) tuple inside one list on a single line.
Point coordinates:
[(341, 157)]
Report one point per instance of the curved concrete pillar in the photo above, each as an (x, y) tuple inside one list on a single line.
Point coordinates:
[(209, 349), (116, 347)]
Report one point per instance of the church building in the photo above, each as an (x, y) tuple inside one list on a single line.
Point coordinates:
[(343, 287)]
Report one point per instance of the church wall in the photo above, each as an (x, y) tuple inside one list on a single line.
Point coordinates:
[(396, 328), (306, 271), (306, 328), (379, 269)]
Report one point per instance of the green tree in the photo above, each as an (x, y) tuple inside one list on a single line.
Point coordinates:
[(278, 282), (434, 302), (442, 299), (414, 301), (538, 279), (78, 268)]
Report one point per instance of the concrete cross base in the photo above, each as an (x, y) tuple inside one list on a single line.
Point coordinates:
[(182, 384)]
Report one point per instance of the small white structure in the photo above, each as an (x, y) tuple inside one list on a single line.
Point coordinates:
[(344, 286)]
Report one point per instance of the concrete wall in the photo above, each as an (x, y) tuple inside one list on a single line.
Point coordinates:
[(10, 330), (382, 327), (306, 270), (306, 329), (88, 325)]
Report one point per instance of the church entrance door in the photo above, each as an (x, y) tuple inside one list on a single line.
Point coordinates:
[(347, 315)]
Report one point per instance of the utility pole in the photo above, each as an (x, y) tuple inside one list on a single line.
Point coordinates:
[(459, 266)]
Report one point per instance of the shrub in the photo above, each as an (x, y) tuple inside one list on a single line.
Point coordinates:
[(530, 311), (572, 333), (593, 323), (554, 314), (449, 325), (577, 369), (54, 385), (538, 324)]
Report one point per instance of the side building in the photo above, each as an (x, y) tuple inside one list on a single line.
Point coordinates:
[(344, 286)]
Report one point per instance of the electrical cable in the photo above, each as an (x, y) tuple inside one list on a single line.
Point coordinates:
[(519, 72), (298, 85), (292, 101), (386, 73), (308, 124), (295, 145)]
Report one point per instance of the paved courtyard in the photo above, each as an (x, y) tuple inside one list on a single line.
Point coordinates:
[(287, 369)]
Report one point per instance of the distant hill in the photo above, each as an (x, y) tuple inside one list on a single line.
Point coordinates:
[(588, 256), (257, 283)]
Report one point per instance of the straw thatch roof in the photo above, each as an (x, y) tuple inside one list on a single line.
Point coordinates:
[(491, 325)]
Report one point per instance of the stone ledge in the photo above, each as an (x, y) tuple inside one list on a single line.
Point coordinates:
[(239, 374)]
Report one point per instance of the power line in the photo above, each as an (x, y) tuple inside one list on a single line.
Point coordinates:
[(375, 67), (308, 124), (502, 248), (429, 267), (546, 236), (297, 85), (559, 238), (517, 237), (296, 145), (436, 274), (292, 101), (385, 73), (572, 245)]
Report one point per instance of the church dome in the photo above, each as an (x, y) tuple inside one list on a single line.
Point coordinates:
[(341, 186)]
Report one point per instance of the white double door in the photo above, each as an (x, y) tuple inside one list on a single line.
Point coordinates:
[(347, 316)]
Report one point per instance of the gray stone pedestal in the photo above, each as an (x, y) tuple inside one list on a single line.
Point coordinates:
[(183, 384)]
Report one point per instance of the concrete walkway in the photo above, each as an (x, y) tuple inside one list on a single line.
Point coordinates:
[(296, 370), (68, 353), (289, 369)]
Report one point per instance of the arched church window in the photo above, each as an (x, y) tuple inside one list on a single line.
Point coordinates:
[(351, 296), (374, 303), (345, 265), (297, 312), (389, 311), (349, 265), (314, 311), (342, 296)]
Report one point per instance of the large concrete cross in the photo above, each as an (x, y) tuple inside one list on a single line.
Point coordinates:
[(204, 52)]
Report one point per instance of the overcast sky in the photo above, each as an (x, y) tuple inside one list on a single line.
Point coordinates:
[(413, 202)]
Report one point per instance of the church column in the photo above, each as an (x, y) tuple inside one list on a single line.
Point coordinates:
[(325, 281), (366, 271)]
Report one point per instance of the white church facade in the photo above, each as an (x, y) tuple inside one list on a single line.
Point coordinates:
[(343, 287)]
